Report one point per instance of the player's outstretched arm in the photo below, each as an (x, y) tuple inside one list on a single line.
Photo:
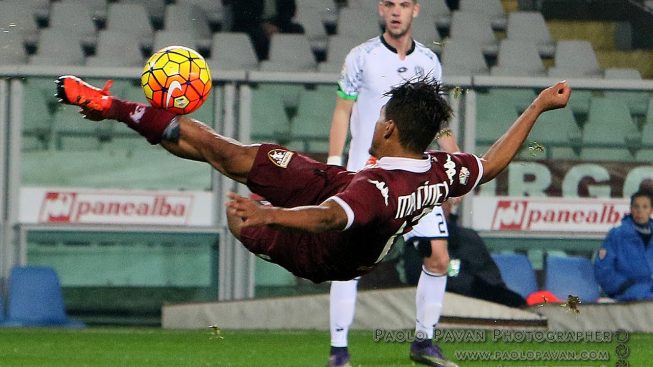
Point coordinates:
[(314, 218), (504, 149)]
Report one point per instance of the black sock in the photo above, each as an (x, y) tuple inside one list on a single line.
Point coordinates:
[(337, 350), (423, 343)]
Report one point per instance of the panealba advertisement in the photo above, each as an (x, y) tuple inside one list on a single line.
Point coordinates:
[(559, 196)]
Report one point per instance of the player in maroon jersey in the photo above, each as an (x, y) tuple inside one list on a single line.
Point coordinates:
[(320, 214)]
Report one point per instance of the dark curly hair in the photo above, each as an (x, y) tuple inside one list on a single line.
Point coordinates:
[(420, 110)]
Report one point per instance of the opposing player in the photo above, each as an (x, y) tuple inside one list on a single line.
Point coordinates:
[(370, 70), (321, 212)]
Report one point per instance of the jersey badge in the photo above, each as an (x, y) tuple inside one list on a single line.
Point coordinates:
[(451, 169), (383, 188), (419, 71), (463, 176), (280, 157)]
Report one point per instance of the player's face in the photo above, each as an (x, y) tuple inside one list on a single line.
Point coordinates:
[(379, 131), (641, 209), (398, 15)]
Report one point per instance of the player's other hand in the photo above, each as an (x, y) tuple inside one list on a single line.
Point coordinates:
[(554, 97), (248, 210)]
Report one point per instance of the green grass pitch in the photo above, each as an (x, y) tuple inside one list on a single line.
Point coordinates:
[(98, 347)]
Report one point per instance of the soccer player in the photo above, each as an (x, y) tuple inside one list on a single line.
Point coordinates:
[(370, 70), (320, 213)]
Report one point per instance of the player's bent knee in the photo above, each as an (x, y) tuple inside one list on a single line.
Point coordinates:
[(437, 264)]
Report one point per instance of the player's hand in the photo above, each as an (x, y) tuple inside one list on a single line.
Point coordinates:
[(248, 210), (554, 97)]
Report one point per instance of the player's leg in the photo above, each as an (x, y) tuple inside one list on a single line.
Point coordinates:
[(429, 298), (342, 306), (182, 136)]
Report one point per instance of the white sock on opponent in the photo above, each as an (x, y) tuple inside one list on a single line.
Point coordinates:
[(342, 305), (428, 302)]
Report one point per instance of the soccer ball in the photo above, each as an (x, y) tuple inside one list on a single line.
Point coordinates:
[(177, 79)]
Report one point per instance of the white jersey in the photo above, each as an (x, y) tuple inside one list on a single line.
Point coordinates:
[(432, 225), (370, 70)]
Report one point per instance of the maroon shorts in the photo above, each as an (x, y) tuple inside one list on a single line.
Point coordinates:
[(288, 179)]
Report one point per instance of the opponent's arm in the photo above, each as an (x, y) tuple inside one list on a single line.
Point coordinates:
[(504, 149), (339, 128), (314, 218)]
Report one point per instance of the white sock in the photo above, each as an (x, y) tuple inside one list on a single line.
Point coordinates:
[(428, 302), (342, 304)]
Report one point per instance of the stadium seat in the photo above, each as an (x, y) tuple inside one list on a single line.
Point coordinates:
[(74, 17), (35, 299), (37, 118), (494, 115), (58, 47), (213, 10), (105, 52), (173, 38), (327, 8), (492, 8), (358, 23), (314, 29), (424, 31), (475, 27), (13, 49), (370, 6), (463, 57), (269, 120), (645, 153), (530, 26), (339, 47), (437, 12), (290, 53), (20, 18), (232, 51), (188, 17), (571, 275), (98, 8), (574, 59), (313, 119), (155, 9), (517, 272), (518, 58), (637, 102), (609, 124), (558, 132), (132, 18)]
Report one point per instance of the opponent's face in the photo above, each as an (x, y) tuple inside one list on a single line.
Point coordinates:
[(641, 209), (398, 15)]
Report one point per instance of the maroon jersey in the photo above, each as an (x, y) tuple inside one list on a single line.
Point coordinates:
[(381, 202)]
